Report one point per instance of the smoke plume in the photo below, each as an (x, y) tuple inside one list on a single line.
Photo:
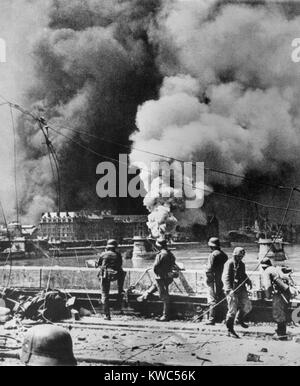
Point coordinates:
[(92, 65), (195, 80), (230, 95)]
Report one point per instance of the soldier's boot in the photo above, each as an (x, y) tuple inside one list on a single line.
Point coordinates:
[(281, 333), (107, 310), (211, 321), (119, 303), (230, 328), (242, 323), (240, 320), (166, 313)]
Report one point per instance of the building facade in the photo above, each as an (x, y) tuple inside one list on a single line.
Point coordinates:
[(76, 226)]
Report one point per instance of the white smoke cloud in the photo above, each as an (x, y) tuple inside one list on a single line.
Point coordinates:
[(239, 57)]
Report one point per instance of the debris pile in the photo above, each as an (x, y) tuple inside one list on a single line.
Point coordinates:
[(50, 306)]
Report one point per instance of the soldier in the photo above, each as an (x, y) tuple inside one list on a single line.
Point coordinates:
[(214, 271), (277, 283), (47, 345), (110, 264), (235, 281), (165, 271)]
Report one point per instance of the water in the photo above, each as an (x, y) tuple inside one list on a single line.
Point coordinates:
[(192, 258)]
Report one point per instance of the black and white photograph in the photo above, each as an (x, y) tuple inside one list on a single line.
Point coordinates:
[(150, 186)]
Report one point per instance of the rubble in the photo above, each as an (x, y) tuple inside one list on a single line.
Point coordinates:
[(253, 358), (51, 305), (5, 314)]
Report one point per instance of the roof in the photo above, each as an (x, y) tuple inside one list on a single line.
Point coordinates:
[(95, 215)]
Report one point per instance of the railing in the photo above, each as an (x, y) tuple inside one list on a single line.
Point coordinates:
[(190, 282)]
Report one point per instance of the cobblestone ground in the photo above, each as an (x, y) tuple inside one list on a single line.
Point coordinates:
[(128, 340)]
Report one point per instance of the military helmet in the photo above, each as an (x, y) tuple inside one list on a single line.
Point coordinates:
[(239, 251), (47, 345), (214, 242), (161, 242), (266, 262), (112, 243)]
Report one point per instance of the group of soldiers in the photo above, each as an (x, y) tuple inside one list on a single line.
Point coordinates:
[(49, 345), (226, 280)]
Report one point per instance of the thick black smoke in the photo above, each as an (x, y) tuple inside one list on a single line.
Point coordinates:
[(93, 66), (210, 80)]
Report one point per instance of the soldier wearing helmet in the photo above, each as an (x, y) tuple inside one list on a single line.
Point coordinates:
[(47, 345), (236, 282), (110, 264), (165, 271), (278, 287), (214, 271)]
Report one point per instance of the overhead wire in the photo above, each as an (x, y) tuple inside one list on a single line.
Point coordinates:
[(164, 156), (214, 170), (26, 112), (225, 195), (130, 147), (15, 162)]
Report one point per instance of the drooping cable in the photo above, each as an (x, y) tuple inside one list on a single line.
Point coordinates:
[(15, 162)]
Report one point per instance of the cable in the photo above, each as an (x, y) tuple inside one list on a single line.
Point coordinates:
[(176, 159), (214, 170), (52, 152), (84, 283), (156, 154), (15, 162), (9, 257), (196, 188)]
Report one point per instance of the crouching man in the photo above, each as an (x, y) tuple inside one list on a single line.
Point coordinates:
[(278, 286), (236, 282), (110, 264)]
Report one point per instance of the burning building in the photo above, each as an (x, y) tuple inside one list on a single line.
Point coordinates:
[(210, 81), (84, 225)]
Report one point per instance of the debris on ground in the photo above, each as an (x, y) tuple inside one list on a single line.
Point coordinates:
[(5, 314), (253, 358), (47, 305), (11, 325)]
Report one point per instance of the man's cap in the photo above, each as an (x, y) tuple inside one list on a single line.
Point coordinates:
[(161, 242), (214, 242), (239, 251), (112, 243)]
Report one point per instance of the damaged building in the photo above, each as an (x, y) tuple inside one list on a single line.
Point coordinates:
[(83, 225)]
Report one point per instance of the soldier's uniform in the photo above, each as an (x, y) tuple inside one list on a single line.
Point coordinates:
[(110, 264), (235, 280), (214, 272), (276, 284), (164, 273)]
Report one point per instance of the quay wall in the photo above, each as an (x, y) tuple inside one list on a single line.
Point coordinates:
[(191, 282)]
